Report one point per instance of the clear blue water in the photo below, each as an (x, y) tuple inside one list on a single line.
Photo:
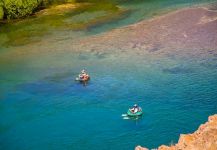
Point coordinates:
[(54, 112), (42, 107)]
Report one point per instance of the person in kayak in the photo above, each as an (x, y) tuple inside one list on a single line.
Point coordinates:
[(135, 109), (83, 75), (83, 71)]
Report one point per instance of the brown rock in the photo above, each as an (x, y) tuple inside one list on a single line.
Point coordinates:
[(164, 147), (140, 148), (205, 138)]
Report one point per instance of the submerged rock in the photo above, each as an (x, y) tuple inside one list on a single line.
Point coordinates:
[(205, 138)]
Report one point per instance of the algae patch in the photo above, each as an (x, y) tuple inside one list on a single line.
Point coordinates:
[(68, 16)]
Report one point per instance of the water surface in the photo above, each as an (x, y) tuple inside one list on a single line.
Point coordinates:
[(42, 107)]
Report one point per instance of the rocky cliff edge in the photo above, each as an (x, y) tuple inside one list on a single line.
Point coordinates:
[(205, 138)]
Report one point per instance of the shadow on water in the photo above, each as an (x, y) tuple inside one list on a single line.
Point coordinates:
[(93, 55), (178, 70), (211, 62), (60, 77)]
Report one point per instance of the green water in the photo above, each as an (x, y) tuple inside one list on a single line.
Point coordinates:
[(43, 108)]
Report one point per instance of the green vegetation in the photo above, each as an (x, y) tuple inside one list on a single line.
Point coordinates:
[(1, 10), (47, 3), (13, 9), (72, 16), (19, 8)]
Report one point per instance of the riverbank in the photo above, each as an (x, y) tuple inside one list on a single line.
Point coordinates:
[(16, 9), (68, 16), (203, 139)]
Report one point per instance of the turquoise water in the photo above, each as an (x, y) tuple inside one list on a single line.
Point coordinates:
[(42, 107), (54, 112)]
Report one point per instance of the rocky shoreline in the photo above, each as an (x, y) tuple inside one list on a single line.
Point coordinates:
[(205, 138)]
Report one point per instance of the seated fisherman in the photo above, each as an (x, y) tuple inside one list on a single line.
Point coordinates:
[(135, 109)]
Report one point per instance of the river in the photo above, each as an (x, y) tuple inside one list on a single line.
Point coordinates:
[(42, 107)]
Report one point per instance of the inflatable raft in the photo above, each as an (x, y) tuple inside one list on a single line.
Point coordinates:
[(137, 114)]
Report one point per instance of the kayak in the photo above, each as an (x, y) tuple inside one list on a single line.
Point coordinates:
[(137, 114)]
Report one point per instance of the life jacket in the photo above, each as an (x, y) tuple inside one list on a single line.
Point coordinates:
[(85, 77)]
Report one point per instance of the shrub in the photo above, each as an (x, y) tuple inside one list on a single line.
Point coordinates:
[(1, 10), (19, 8)]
